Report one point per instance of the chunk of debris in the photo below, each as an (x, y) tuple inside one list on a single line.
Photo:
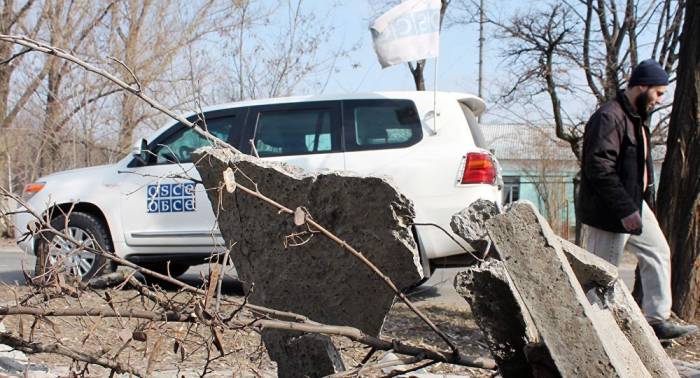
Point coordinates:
[(543, 279), (314, 355), (470, 223), (634, 325), (507, 327), (290, 266), (590, 270), (576, 334)]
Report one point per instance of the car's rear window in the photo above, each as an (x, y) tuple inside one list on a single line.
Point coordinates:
[(478, 137), (377, 124)]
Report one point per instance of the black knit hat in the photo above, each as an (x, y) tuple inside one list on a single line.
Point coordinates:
[(648, 72)]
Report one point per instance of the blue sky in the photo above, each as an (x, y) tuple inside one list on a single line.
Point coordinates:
[(458, 62)]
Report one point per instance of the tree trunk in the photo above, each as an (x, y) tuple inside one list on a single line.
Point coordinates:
[(417, 73), (128, 121), (48, 161), (679, 189)]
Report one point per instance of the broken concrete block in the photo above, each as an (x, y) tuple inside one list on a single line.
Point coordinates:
[(540, 360), (499, 313), (470, 223), (634, 325), (589, 268), (574, 334), (623, 355), (290, 267), (313, 355)]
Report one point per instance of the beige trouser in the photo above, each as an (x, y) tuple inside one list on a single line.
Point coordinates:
[(653, 254)]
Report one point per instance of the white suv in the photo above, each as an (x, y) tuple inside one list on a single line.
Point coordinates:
[(145, 209)]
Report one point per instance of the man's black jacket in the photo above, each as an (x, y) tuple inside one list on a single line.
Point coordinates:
[(613, 167)]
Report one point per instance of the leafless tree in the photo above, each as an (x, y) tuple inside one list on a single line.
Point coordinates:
[(72, 25), (547, 173), (679, 190), (276, 47), (17, 16), (551, 47), (151, 37)]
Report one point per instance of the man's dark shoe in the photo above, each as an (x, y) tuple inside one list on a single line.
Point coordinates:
[(665, 329)]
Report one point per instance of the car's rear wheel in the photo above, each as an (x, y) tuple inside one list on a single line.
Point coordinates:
[(57, 252)]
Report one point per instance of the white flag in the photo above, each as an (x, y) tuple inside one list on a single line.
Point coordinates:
[(409, 31)]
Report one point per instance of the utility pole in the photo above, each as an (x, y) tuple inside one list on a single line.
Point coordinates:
[(482, 20)]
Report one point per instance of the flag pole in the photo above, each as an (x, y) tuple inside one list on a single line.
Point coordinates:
[(435, 110)]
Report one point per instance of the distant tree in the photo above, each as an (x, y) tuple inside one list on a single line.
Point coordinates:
[(17, 16), (679, 190), (276, 47), (72, 25), (546, 172), (147, 36), (549, 47)]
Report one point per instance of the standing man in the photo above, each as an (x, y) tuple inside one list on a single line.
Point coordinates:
[(617, 192)]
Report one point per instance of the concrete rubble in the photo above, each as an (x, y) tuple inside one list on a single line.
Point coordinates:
[(580, 311), (507, 329), (470, 223), (288, 267)]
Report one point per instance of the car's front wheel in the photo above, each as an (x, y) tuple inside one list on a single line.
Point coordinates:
[(59, 252)]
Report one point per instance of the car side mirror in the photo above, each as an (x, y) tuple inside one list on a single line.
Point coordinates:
[(140, 152)]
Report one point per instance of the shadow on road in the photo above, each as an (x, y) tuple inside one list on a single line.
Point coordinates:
[(14, 276), (229, 286), (194, 277), (423, 292)]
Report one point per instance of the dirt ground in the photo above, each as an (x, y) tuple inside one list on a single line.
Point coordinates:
[(245, 354)]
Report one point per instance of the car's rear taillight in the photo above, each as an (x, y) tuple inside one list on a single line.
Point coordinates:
[(479, 168)]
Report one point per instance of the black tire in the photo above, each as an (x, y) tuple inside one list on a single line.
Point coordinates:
[(86, 228), (176, 268)]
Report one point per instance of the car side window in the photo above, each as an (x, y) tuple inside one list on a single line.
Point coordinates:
[(178, 147), (294, 132), (379, 124)]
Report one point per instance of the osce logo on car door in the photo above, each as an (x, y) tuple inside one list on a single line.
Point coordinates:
[(170, 198)]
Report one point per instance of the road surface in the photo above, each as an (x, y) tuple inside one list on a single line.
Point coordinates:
[(437, 290)]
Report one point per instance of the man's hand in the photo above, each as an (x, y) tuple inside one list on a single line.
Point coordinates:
[(632, 222)]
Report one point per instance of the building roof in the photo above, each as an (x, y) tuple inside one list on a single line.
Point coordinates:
[(526, 142), (513, 141)]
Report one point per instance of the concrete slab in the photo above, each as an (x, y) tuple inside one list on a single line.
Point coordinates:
[(288, 266), (534, 259), (590, 269), (500, 314), (633, 324)]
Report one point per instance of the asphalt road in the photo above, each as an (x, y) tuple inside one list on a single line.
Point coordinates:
[(14, 262), (437, 290)]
